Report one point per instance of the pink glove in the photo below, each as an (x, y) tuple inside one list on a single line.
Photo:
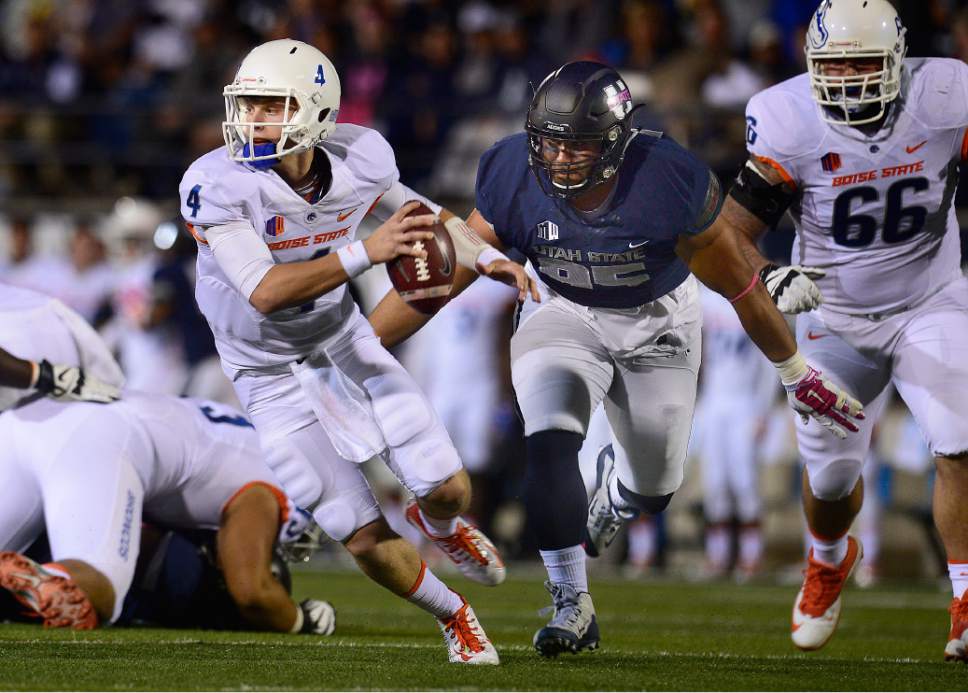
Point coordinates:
[(812, 395)]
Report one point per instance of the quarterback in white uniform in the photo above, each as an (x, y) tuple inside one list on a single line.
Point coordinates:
[(864, 151), (275, 213)]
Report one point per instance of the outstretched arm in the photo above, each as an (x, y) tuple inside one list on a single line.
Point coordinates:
[(56, 381), (714, 256)]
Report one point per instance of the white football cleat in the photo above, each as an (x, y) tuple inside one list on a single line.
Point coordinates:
[(604, 519), (957, 648), (816, 611), (573, 627), (473, 553), (466, 641)]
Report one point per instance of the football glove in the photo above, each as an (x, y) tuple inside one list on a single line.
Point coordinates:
[(70, 383), (791, 287), (319, 617), (812, 395)]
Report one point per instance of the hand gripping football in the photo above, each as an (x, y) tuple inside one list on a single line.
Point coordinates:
[(426, 284)]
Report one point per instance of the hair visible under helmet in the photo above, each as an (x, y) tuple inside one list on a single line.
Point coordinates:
[(855, 29), (290, 70)]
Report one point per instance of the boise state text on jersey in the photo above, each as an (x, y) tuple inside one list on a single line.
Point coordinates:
[(621, 258)]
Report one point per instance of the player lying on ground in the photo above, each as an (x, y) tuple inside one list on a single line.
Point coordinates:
[(616, 221), (90, 473), (864, 150)]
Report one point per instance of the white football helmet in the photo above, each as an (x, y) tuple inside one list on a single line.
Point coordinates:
[(292, 70), (855, 29)]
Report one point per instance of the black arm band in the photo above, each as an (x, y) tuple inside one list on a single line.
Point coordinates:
[(764, 200)]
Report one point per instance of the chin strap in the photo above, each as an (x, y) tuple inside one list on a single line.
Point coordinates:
[(261, 149)]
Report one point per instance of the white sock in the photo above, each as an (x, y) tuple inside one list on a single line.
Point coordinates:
[(751, 545), (567, 566), (438, 528), (433, 596), (958, 571), (832, 552), (718, 545)]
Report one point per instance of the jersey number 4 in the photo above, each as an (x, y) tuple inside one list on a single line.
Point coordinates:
[(900, 222), (192, 201)]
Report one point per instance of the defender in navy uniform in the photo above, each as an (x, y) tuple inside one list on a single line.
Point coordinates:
[(614, 222)]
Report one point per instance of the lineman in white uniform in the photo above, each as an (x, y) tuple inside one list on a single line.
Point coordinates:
[(88, 474), (275, 213), (864, 150)]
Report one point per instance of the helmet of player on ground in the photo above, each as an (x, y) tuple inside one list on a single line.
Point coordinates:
[(855, 50), (579, 124), (307, 84)]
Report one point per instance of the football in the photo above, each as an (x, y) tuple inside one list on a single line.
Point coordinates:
[(426, 284)]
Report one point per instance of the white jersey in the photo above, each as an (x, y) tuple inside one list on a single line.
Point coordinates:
[(875, 212), (35, 326), (216, 191)]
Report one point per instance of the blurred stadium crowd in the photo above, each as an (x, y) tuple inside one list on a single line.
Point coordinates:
[(104, 103)]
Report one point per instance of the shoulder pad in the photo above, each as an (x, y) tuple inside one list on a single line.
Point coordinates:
[(782, 121), (214, 188), (366, 153), (500, 173), (937, 94)]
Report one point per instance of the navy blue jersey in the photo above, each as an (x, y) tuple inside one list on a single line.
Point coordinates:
[(622, 257)]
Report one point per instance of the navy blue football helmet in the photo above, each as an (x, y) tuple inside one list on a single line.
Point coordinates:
[(583, 105)]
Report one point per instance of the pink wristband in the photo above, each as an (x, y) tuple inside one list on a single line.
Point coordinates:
[(748, 289)]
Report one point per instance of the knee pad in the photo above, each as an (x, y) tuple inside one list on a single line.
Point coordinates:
[(295, 472), (424, 463), (653, 505), (835, 479), (401, 411), (340, 517)]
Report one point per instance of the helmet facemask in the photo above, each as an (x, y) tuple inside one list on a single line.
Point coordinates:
[(595, 155), (852, 31), (297, 134), (859, 98)]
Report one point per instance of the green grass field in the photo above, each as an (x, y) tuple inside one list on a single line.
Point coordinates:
[(655, 635)]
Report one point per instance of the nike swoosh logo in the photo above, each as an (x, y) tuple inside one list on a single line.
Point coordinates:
[(637, 245), (812, 335), (911, 150), (341, 217)]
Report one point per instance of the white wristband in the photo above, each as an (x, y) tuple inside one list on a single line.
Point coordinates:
[(489, 255), (354, 258), (300, 619), (793, 369)]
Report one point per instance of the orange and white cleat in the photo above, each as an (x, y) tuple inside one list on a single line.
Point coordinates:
[(57, 600), (466, 641), (816, 611), (957, 648), (473, 553)]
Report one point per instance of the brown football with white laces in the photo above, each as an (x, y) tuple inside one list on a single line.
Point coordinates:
[(426, 284)]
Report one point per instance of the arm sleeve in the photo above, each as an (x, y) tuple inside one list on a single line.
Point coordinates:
[(707, 200), (240, 254), (395, 197)]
